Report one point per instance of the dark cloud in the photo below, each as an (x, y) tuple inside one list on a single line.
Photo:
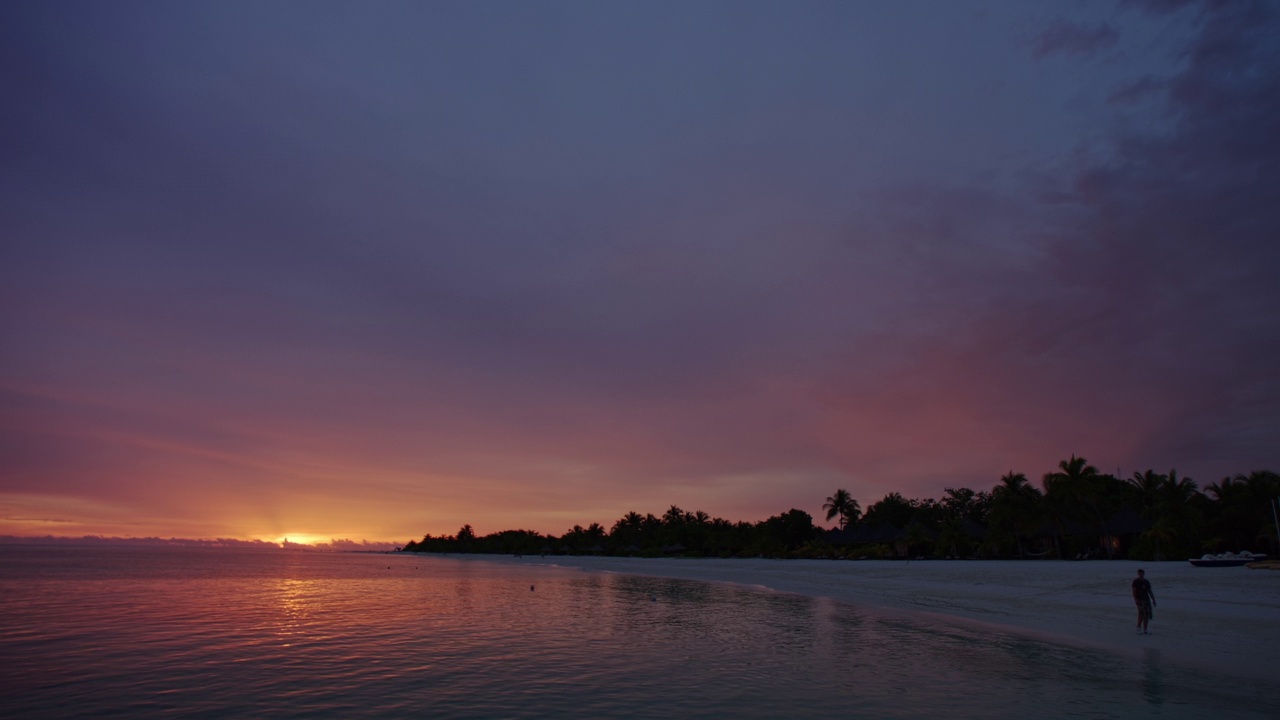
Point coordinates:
[(1174, 242), (1138, 91), (1161, 7), (1129, 316), (1066, 38)]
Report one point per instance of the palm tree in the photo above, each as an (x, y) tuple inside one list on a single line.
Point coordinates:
[(595, 531), (1072, 475), (673, 516), (1242, 508), (465, 537), (842, 504), (1149, 485), (1178, 498), (1179, 491), (675, 526), (1013, 482), (1221, 491), (1077, 483), (1015, 508)]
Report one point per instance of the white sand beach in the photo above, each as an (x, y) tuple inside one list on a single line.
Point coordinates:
[(1224, 619)]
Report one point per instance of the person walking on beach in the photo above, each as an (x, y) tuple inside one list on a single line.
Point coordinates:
[(1144, 599)]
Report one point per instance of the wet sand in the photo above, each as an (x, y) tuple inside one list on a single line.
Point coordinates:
[(1224, 619)]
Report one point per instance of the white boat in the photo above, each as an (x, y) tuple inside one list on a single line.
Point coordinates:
[(1227, 559)]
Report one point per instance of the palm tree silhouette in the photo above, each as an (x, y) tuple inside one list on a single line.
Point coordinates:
[(1015, 507), (1242, 508), (673, 516), (1079, 483), (842, 504), (1149, 485)]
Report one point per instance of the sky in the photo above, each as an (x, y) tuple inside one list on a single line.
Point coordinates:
[(373, 270)]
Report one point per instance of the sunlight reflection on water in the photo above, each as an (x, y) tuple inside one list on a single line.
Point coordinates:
[(139, 633)]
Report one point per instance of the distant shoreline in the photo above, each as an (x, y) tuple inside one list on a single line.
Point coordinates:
[(214, 543)]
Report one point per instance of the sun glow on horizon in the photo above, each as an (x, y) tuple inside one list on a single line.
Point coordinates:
[(297, 539)]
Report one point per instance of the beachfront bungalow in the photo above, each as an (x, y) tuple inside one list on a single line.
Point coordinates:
[(1071, 540), (1121, 531)]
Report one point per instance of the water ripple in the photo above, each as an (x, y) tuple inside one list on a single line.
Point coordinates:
[(200, 633)]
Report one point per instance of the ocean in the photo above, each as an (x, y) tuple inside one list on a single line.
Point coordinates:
[(220, 633)]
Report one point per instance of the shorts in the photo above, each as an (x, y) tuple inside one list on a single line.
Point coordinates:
[(1144, 611)]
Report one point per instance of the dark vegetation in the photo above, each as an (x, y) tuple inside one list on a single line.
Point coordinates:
[(1075, 513)]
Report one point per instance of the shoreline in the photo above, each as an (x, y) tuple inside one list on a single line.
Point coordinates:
[(1226, 620)]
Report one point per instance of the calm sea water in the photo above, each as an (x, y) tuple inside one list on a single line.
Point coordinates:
[(225, 633)]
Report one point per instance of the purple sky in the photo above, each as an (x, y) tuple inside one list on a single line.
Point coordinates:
[(371, 270)]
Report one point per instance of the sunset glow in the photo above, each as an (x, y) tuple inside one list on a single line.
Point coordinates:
[(403, 267)]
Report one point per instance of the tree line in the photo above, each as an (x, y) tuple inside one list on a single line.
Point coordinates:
[(1075, 512)]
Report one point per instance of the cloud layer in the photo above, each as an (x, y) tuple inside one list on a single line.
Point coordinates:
[(383, 273)]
